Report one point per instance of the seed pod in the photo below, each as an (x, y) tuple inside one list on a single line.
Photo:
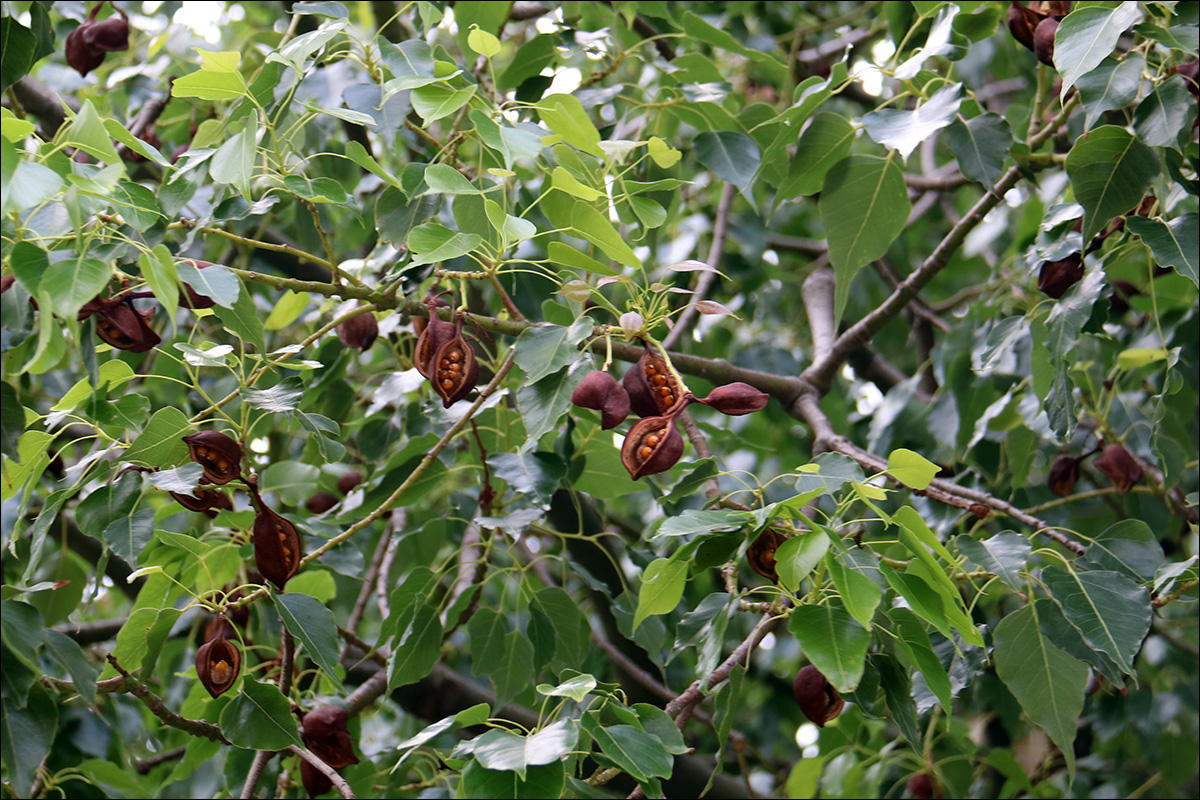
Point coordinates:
[(1063, 474), (736, 399), (1056, 277), (276, 547), (219, 627), (652, 446), (316, 783), (220, 455), (818, 698), (652, 388), (189, 297), (1043, 40), (1190, 71), (437, 332), (326, 735), (1021, 23), (921, 787), (1053, 8), (203, 500), (600, 391), (456, 371), (360, 331), (320, 502), (1120, 467), (6, 282), (761, 554), (348, 481), (218, 663), (125, 328)]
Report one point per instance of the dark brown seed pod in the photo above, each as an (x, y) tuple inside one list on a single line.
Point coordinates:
[(1063, 474), (276, 547), (437, 332), (818, 698), (125, 328), (316, 783), (219, 627), (87, 45), (219, 454), (6, 282), (652, 446), (736, 399), (921, 787), (1056, 277), (203, 500), (218, 664), (1043, 40), (189, 297), (652, 387), (761, 554), (326, 735), (360, 331), (1120, 467), (348, 481), (1021, 23), (320, 502), (456, 371), (600, 391)]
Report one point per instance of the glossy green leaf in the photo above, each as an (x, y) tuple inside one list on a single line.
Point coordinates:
[(632, 750), (832, 640), (902, 130), (1111, 611), (564, 115), (502, 750), (913, 641), (537, 783), (313, 625), (1174, 243), (417, 649), (732, 156), (1086, 37), (1112, 85), (825, 142), (437, 101), (799, 556), (1128, 547), (1109, 170), (1004, 555), (544, 350), (981, 145), (859, 594), (260, 718), (662, 586)]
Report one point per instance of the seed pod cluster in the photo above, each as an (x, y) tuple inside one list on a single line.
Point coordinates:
[(218, 454), (818, 698), (87, 45), (277, 547), (327, 737), (218, 661)]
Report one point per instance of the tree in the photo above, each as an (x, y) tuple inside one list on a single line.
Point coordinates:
[(509, 399)]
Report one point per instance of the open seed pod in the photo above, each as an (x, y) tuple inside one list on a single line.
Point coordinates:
[(652, 387), (736, 399), (652, 446), (203, 499), (818, 698), (455, 369), (437, 332), (126, 328), (218, 664), (761, 553), (219, 454), (276, 547), (1120, 467), (326, 735), (600, 391)]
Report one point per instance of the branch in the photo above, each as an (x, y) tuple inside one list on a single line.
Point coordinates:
[(707, 278), (195, 727), (144, 765), (817, 293), (329, 772)]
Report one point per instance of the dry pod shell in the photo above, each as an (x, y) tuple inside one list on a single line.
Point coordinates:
[(219, 454), (320, 502), (761, 554), (652, 387), (455, 368), (436, 333), (316, 783), (652, 446), (1120, 467), (203, 500), (326, 735), (921, 787), (348, 481), (360, 331), (276, 547), (1056, 277), (1021, 23), (1043, 40), (219, 627), (736, 399), (218, 664), (818, 698), (1063, 474), (86, 45), (123, 326), (600, 391)]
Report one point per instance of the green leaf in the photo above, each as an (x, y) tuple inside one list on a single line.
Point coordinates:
[(233, 163), (912, 469), (576, 688), (798, 556), (632, 750), (432, 243), (543, 404), (535, 475), (1109, 171), (108, 504), (544, 350), (87, 132), (897, 692), (981, 144), (161, 442), (260, 718), (825, 142), (589, 224), (417, 649), (1086, 37), (834, 641), (437, 101), (1128, 547), (1111, 611), (902, 130), (1164, 116), (732, 156), (921, 597), (566, 182), (26, 734), (127, 536), (564, 115), (501, 750), (1048, 683), (214, 281), (693, 521), (537, 783), (1110, 86), (74, 281), (859, 593), (396, 215), (532, 57), (18, 54), (1174, 244), (312, 623), (864, 208), (1004, 555), (217, 79), (445, 179), (662, 587), (292, 480), (802, 781), (913, 641), (241, 319)]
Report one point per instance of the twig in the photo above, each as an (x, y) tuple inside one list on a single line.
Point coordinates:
[(150, 700), (708, 277), (144, 765), (329, 772)]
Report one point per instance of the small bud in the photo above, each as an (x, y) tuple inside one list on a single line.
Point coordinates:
[(1056, 277), (652, 446), (320, 502), (1120, 467), (348, 481), (736, 399), (601, 392), (818, 698), (220, 455), (631, 321), (360, 331), (1063, 474)]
